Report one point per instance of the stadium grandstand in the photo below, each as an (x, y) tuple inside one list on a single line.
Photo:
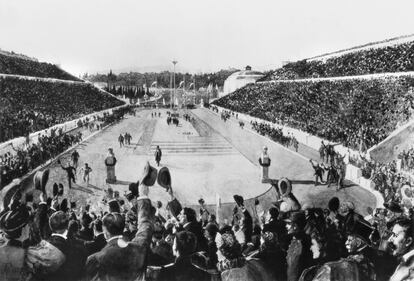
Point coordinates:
[(17, 64), (388, 56), (35, 96)]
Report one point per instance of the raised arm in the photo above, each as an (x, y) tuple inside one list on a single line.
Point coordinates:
[(145, 219)]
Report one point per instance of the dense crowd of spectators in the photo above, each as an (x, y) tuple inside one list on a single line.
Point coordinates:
[(20, 66), (275, 134), (25, 159), (357, 113), (31, 155), (395, 58), (27, 106), (130, 239)]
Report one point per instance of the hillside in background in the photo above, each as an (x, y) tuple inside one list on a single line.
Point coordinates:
[(163, 79)]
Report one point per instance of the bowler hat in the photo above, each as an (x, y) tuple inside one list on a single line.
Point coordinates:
[(150, 175), (114, 206), (164, 178), (333, 204), (14, 219), (40, 180), (393, 207)]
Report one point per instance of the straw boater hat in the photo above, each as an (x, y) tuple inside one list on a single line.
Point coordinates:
[(150, 175)]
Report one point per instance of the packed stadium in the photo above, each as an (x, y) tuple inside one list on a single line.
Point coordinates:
[(294, 163)]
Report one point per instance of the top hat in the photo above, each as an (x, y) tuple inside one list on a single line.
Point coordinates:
[(55, 189), (362, 229), (150, 175), (133, 190), (60, 190), (40, 180), (13, 220), (64, 205), (164, 178), (239, 200)]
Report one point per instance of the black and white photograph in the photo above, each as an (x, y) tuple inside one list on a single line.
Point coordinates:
[(219, 140)]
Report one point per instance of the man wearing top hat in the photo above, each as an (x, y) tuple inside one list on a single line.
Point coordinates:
[(358, 246)]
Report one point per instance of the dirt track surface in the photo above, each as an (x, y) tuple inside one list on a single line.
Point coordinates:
[(221, 162)]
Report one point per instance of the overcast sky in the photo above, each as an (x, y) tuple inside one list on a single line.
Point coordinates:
[(96, 35)]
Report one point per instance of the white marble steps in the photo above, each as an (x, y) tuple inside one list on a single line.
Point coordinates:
[(194, 146)]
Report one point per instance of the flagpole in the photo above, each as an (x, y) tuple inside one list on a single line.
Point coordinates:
[(174, 62)]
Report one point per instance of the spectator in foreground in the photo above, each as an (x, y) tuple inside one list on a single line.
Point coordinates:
[(234, 267), (120, 260), (185, 245), (402, 246)]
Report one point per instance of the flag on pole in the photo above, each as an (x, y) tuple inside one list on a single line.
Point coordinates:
[(191, 85), (181, 84)]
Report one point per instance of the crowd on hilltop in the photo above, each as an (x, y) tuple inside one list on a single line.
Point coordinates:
[(395, 58), (357, 113), (27, 67), (130, 239), (28, 106)]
